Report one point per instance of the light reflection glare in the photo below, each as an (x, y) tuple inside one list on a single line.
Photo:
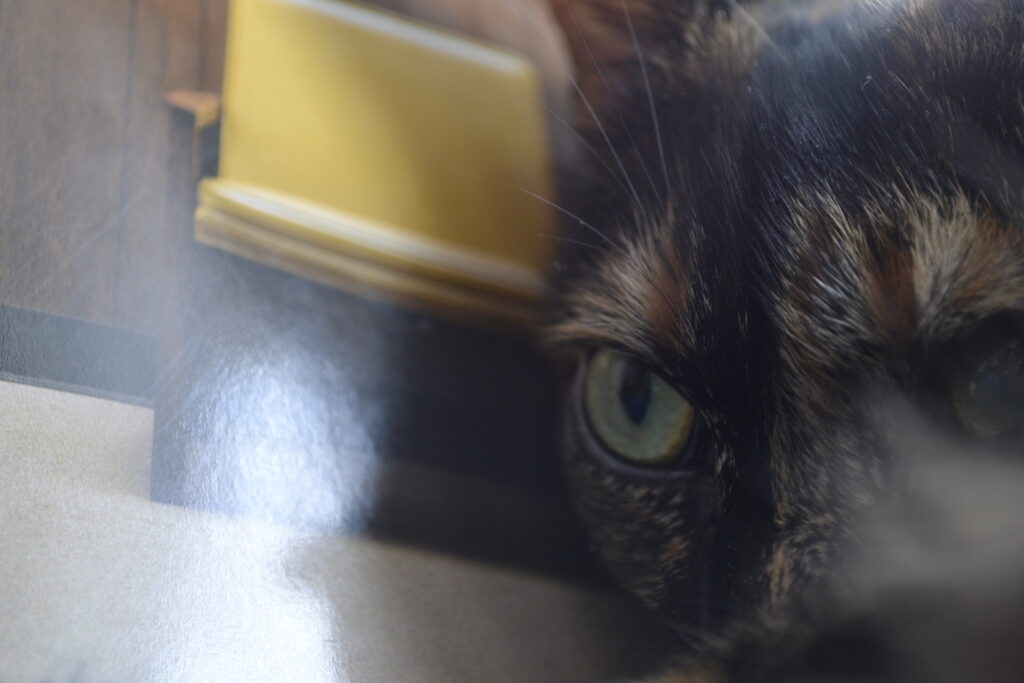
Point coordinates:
[(281, 451), (234, 599), (101, 584)]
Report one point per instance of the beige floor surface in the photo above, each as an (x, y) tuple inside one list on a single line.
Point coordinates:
[(97, 583)]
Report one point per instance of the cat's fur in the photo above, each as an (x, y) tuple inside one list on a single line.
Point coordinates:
[(789, 210)]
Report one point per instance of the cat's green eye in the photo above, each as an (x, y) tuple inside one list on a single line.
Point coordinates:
[(986, 387), (634, 412)]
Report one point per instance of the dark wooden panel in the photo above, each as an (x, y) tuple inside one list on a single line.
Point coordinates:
[(74, 355), (214, 30), (63, 85), (156, 225)]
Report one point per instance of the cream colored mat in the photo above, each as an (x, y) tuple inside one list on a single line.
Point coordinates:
[(97, 583)]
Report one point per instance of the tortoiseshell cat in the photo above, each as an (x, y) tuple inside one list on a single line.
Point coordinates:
[(792, 316)]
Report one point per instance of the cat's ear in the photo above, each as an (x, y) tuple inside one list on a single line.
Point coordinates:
[(622, 48), (612, 43)]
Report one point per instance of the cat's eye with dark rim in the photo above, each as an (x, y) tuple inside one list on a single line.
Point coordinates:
[(984, 380), (634, 413)]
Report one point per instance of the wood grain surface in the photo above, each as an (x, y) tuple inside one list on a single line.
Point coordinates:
[(88, 225)]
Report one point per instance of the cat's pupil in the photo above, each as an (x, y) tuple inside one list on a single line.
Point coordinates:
[(635, 391)]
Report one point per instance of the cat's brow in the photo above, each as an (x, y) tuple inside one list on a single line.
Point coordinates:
[(856, 289), (636, 299)]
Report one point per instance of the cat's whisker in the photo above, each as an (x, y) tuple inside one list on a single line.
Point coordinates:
[(568, 240), (570, 214), (650, 92), (625, 127), (628, 187), (597, 120), (587, 145), (643, 164)]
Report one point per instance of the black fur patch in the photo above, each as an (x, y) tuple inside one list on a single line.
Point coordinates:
[(788, 207)]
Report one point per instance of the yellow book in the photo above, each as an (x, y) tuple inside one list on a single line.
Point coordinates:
[(381, 156)]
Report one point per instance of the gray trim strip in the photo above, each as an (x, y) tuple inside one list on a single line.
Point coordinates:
[(73, 355)]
